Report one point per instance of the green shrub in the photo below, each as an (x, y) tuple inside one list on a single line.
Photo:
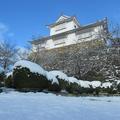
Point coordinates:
[(54, 87), (23, 78), (63, 84), (2, 77), (118, 87), (9, 81), (1, 85), (73, 88), (97, 91), (86, 90), (108, 90)]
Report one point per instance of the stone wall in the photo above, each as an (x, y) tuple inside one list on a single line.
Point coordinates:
[(87, 60)]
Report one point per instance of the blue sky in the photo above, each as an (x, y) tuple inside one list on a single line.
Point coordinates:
[(22, 19)]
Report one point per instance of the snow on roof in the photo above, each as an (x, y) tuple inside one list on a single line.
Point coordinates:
[(33, 67), (60, 75)]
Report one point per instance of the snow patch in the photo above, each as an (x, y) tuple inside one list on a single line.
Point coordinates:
[(59, 74), (85, 84), (96, 84), (33, 67), (106, 85), (51, 77), (73, 80), (9, 74)]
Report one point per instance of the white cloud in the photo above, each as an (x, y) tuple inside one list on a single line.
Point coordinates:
[(3, 28), (5, 32)]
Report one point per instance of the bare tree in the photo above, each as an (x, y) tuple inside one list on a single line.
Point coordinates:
[(24, 52), (7, 54), (115, 33), (34, 54)]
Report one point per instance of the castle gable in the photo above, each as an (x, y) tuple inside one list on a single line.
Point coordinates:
[(63, 24), (62, 18)]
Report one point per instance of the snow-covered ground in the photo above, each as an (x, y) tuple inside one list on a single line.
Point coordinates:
[(41, 106)]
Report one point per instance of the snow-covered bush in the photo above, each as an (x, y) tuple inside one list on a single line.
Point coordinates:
[(29, 75), (83, 87), (73, 88), (118, 88), (62, 79), (73, 85), (54, 84)]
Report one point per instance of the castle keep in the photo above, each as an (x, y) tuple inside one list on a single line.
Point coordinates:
[(67, 31)]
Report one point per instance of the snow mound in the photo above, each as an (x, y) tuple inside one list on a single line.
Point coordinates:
[(51, 77), (73, 80), (95, 84), (106, 85), (84, 84), (60, 75), (33, 67)]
